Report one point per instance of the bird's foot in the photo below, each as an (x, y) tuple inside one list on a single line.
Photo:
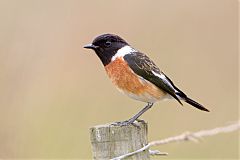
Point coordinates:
[(125, 123), (122, 123)]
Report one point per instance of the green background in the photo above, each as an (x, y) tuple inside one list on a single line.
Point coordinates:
[(53, 90)]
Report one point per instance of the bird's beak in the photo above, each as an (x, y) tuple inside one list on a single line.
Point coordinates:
[(90, 46)]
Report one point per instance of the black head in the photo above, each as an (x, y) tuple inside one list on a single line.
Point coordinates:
[(106, 46)]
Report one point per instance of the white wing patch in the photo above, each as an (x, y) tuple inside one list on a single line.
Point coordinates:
[(163, 77), (123, 51)]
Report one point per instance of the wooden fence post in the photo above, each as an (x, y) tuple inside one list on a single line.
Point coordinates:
[(110, 141)]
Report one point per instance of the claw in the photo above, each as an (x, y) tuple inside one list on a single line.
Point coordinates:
[(140, 120), (125, 123)]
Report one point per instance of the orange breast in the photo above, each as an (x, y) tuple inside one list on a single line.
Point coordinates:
[(131, 84)]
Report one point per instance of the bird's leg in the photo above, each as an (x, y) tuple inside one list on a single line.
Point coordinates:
[(147, 107), (131, 120)]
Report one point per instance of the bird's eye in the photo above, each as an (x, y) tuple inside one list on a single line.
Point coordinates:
[(108, 43)]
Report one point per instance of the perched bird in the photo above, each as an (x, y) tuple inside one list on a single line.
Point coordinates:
[(135, 74)]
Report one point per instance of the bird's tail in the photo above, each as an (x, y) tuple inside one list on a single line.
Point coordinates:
[(195, 104)]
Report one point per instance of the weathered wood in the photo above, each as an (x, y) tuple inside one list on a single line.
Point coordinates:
[(110, 141)]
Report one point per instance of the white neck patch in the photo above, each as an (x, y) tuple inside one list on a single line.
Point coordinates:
[(123, 51)]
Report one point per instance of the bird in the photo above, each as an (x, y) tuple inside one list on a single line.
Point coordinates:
[(135, 74)]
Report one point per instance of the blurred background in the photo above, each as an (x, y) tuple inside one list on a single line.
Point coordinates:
[(53, 90)]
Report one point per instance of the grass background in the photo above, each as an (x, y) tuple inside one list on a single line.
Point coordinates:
[(53, 90)]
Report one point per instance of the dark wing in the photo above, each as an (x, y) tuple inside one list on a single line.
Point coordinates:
[(144, 67)]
